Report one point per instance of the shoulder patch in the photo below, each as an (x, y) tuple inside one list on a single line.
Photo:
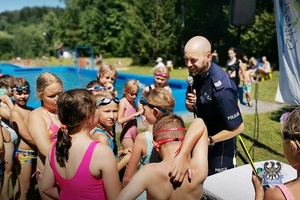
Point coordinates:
[(218, 83)]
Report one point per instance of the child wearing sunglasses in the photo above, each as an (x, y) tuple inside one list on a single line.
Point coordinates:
[(161, 77), (107, 107), (156, 103), (168, 136), (25, 153), (43, 122), (83, 168), (127, 114)]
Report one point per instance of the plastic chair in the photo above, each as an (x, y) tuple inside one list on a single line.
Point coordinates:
[(267, 75)]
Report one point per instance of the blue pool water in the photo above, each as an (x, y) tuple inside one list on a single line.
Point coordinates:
[(73, 77)]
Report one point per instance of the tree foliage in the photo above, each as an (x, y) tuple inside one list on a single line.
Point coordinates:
[(142, 30)]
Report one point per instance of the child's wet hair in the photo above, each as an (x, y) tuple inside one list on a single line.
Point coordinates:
[(291, 127), (6, 81), (44, 80), (170, 121), (74, 109), (160, 97), (132, 86), (107, 69)]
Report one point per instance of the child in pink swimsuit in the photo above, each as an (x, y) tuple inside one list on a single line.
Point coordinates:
[(291, 149), (43, 122), (83, 168), (128, 113)]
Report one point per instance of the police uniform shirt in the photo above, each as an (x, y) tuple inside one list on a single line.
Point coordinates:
[(217, 100)]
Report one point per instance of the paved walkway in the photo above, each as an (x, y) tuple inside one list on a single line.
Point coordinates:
[(262, 107)]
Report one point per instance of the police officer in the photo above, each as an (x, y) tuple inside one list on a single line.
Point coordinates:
[(213, 97)]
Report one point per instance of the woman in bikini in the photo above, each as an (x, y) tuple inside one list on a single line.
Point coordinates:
[(43, 123)]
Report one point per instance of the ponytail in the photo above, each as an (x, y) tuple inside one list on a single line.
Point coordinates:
[(63, 145)]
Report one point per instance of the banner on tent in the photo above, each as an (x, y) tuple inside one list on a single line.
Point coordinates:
[(287, 18)]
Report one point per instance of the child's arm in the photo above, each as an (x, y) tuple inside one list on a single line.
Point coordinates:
[(49, 186), (4, 111), (140, 106), (121, 118), (136, 154), (123, 162), (137, 184), (258, 188), (1, 140), (39, 133), (20, 127), (109, 172), (5, 99), (199, 160), (181, 164)]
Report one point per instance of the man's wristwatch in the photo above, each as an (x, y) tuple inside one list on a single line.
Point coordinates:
[(211, 142)]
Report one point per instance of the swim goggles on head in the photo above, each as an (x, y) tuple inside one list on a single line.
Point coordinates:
[(97, 88), (106, 101), (168, 130), (160, 142), (162, 74), (144, 102), (20, 89)]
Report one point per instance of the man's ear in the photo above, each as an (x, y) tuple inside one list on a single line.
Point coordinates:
[(208, 56)]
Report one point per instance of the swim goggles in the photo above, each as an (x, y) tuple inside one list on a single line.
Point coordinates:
[(20, 89), (97, 88), (106, 101), (144, 102), (162, 74)]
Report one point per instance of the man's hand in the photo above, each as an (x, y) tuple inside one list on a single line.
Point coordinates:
[(191, 98)]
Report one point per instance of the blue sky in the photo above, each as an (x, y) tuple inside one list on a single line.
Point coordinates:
[(9, 5)]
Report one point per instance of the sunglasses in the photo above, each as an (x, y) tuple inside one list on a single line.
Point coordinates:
[(20, 89), (97, 88), (143, 101), (106, 101)]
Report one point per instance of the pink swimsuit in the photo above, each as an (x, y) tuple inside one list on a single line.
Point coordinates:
[(52, 131), (285, 192), (82, 185), (53, 128), (129, 129)]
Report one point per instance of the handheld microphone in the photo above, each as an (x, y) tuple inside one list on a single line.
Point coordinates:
[(190, 82)]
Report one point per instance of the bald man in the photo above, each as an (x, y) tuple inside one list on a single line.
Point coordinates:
[(213, 97)]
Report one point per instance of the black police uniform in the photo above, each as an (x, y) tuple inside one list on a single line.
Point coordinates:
[(217, 106)]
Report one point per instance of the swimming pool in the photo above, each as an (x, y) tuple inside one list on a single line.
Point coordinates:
[(73, 77)]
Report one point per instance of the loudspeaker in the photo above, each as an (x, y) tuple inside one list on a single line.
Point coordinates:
[(242, 12)]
